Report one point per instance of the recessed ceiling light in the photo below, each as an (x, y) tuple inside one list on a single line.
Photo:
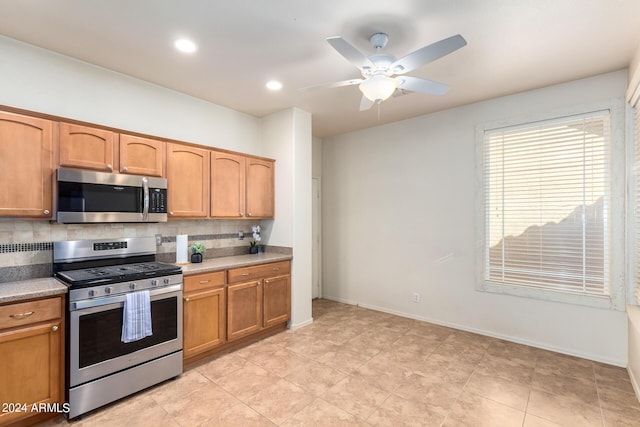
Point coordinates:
[(274, 85), (184, 45)]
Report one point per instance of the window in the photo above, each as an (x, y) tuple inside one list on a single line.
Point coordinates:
[(636, 180), (546, 220)]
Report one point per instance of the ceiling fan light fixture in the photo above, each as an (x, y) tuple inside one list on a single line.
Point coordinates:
[(378, 88), (274, 85), (185, 45)]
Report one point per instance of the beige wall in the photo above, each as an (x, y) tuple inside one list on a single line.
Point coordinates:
[(399, 217), (35, 79), (286, 136)]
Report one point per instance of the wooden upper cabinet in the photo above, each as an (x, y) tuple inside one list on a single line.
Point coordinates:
[(86, 147), (227, 185), (26, 166), (260, 188), (141, 156), (187, 181)]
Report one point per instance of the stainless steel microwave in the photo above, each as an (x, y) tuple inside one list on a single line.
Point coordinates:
[(97, 197)]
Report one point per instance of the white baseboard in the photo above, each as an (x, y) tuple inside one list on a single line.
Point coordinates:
[(515, 339), (294, 326)]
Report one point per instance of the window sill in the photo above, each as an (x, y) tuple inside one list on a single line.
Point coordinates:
[(603, 302)]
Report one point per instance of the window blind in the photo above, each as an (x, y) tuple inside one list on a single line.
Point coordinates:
[(546, 209)]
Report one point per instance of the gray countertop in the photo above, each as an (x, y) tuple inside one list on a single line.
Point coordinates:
[(48, 286), (28, 289), (225, 263)]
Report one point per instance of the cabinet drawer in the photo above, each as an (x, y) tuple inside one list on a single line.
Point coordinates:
[(204, 281), (258, 271), (30, 312)]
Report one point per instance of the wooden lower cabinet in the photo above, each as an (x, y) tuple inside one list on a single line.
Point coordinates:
[(276, 296), (244, 306), (229, 308), (31, 357), (204, 313)]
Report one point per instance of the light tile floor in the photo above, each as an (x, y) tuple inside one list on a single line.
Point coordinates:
[(359, 367)]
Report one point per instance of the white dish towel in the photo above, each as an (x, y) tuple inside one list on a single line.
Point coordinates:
[(136, 317)]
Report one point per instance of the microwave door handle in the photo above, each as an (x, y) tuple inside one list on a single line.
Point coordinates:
[(145, 199)]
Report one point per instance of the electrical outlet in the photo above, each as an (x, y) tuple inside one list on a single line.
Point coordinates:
[(415, 297), (158, 239), (240, 235)]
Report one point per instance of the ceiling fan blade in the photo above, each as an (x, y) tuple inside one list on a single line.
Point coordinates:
[(347, 50), (421, 85), (365, 103), (428, 54), (334, 84)]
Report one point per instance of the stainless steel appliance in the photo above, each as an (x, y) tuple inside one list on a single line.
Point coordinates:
[(100, 367), (88, 196)]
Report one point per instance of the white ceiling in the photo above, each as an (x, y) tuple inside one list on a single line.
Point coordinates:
[(513, 46)]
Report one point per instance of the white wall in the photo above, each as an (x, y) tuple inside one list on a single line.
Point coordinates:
[(316, 157), (633, 312), (286, 136), (39, 80), (42, 81), (398, 217)]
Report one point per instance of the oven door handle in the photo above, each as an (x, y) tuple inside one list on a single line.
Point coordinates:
[(97, 302)]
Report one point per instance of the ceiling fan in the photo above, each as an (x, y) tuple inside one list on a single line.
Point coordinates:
[(383, 74)]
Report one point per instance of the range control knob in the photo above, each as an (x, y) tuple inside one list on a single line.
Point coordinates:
[(154, 282), (108, 290), (132, 285), (166, 280), (92, 293)]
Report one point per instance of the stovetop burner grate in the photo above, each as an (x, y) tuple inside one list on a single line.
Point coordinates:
[(116, 273)]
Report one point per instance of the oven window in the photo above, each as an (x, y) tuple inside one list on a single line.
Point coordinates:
[(100, 333)]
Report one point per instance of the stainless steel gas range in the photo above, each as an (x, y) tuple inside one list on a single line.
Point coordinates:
[(101, 366)]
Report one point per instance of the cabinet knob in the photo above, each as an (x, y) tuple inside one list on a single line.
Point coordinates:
[(186, 299), (46, 212), (54, 328), (124, 169), (170, 213), (266, 281), (204, 281), (249, 214), (110, 167), (241, 213)]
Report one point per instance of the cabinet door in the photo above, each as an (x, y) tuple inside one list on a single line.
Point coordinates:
[(244, 309), (187, 181), (227, 185), (260, 193), (26, 166), (86, 147), (276, 306), (31, 359), (204, 321), (141, 156)]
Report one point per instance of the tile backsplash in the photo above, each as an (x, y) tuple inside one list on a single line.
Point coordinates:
[(26, 247)]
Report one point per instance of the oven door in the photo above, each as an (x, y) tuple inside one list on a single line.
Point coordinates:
[(95, 346)]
